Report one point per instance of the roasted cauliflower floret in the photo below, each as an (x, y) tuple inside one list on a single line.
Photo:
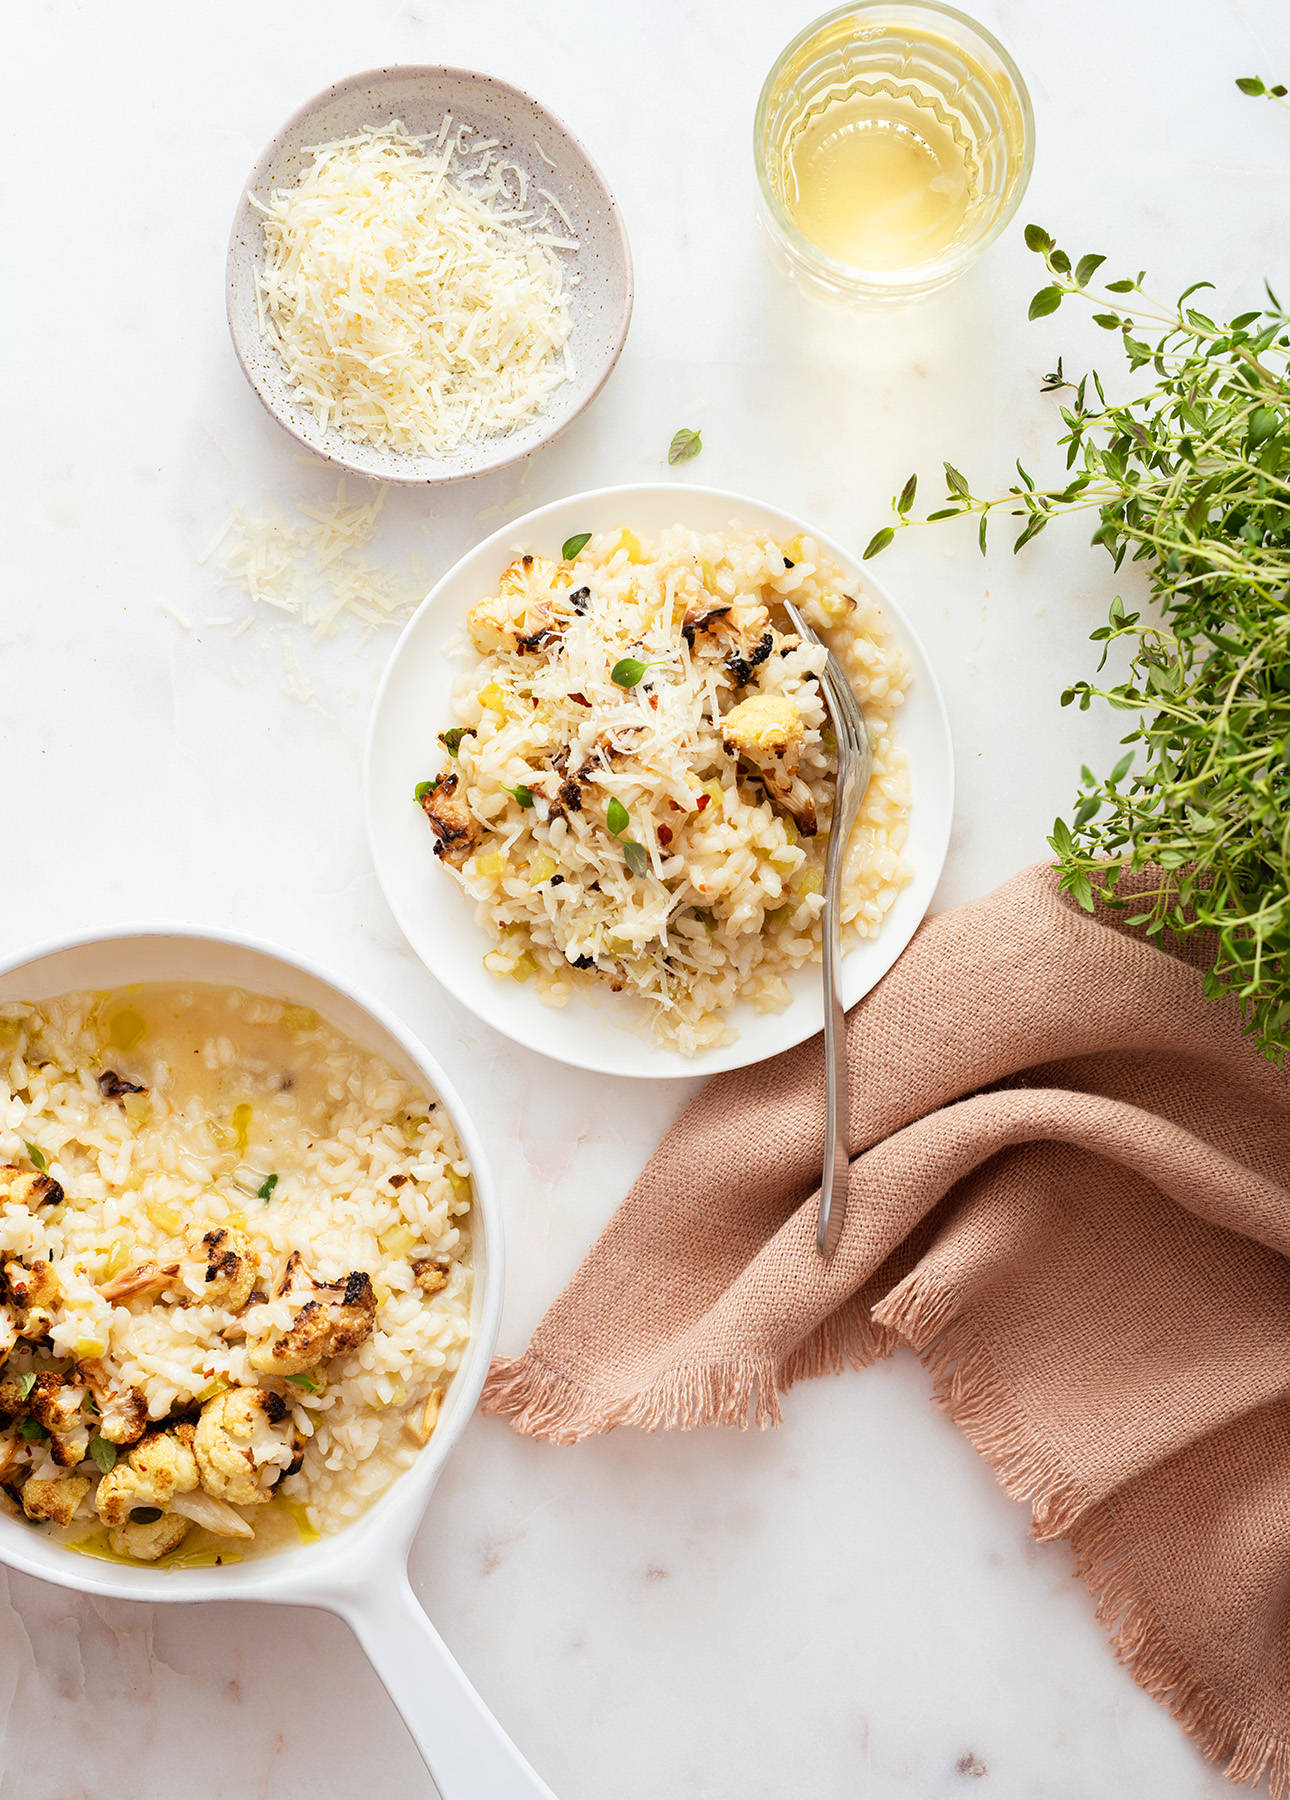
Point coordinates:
[(122, 1412), (336, 1316), (522, 616), (766, 733), (738, 630), (57, 1500), (354, 1316), (455, 828), (123, 1417), (764, 725), (166, 1462), (239, 1444), (34, 1292), (146, 1539), (301, 1347), (159, 1469), (56, 1404), (13, 1397), (28, 1187), (230, 1268), (429, 1275)]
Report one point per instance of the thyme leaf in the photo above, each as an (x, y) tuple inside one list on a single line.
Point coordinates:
[(685, 446)]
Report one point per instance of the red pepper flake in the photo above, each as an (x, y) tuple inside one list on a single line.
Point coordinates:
[(581, 699), (653, 700), (665, 834), (701, 802), (675, 805)]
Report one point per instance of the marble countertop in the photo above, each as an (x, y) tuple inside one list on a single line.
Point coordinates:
[(846, 1606)]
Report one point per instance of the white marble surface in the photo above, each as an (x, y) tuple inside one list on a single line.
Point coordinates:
[(848, 1606)]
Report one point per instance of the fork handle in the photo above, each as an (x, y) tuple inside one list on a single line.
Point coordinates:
[(837, 1095)]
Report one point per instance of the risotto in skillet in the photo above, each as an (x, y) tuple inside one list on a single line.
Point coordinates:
[(234, 1272), (637, 790)]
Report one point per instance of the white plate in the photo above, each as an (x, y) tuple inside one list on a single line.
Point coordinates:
[(414, 704), (600, 299)]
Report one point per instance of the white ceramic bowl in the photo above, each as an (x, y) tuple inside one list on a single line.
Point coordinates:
[(600, 300), (360, 1572), (414, 704)]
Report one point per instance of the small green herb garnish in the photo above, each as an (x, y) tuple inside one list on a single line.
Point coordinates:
[(571, 546), (1256, 87), (102, 1454), (37, 1156), (635, 855), (26, 1383), (628, 671), (90, 1404), (521, 795), (451, 740), (685, 446), (423, 788), (265, 1190), (307, 1382), (32, 1430)]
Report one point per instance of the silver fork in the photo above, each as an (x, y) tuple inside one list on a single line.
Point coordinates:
[(855, 766)]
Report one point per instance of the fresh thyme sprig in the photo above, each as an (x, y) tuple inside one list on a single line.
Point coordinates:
[(1189, 477)]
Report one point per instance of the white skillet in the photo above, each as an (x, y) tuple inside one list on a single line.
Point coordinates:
[(361, 1572)]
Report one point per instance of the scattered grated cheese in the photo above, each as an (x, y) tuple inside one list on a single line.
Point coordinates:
[(415, 294), (311, 568)]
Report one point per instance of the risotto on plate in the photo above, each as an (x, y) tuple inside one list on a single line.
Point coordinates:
[(637, 787)]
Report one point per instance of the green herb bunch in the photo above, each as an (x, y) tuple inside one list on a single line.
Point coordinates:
[(1190, 477)]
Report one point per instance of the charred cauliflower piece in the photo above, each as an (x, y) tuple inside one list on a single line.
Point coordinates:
[(230, 1268), (146, 1539), (738, 630), (13, 1399), (301, 1347), (354, 1315), (521, 617), (123, 1412), (456, 830), (56, 1500), (336, 1317), (429, 1275), (56, 1404), (766, 732), (157, 1472), (28, 1187), (238, 1444), (33, 1292)]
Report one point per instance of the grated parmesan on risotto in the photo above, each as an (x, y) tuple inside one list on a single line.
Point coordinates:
[(234, 1271), (638, 789)]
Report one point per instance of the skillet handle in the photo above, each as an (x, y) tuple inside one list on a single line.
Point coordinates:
[(463, 1746)]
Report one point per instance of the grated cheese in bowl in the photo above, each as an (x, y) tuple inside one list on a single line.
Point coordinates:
[(415, 289)]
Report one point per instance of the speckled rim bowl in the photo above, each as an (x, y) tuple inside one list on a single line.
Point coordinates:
[(414, 703), (600, 300), (360, 1572)]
